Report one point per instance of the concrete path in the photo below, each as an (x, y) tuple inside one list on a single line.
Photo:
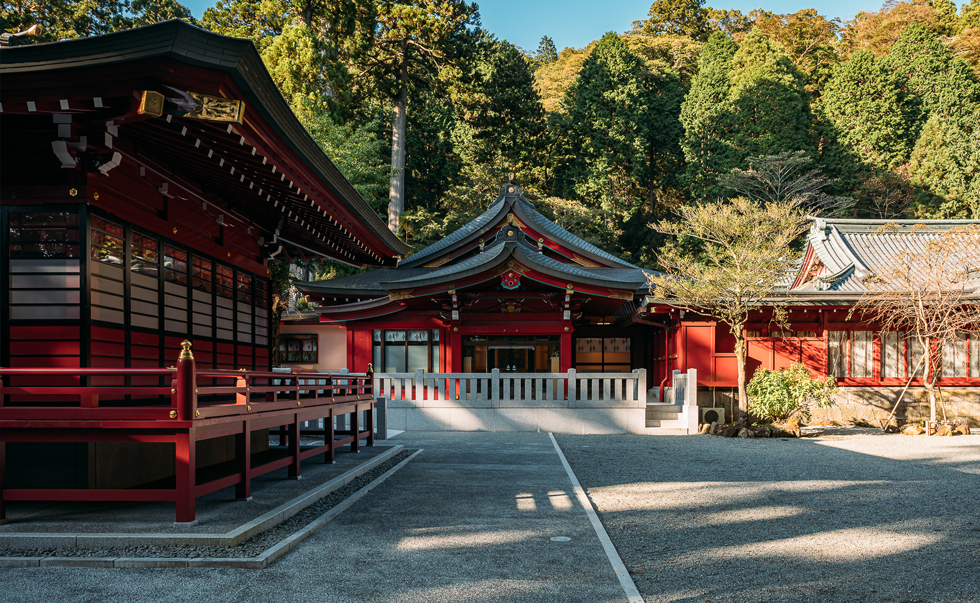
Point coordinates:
[(470, 519)]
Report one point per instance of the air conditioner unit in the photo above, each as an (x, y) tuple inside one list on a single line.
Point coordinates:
[(712, 415)]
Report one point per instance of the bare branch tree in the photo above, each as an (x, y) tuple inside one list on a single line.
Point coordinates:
[(926, 288), (745, 256), (785, 178)]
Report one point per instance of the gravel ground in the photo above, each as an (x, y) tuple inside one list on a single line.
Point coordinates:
[(848, 515), (252, 547)]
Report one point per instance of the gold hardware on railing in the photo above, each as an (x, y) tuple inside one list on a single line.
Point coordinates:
[(248, 409), (299, 404), (195, 390), (173, 391), (197, 413), (185, 353), (173, 414)]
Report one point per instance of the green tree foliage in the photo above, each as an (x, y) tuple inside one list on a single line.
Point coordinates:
[(870, 114), (946, 162), (706, 153), (808, 39), (65, 19), (731, 22), (546, 53), (936, 82), (745, 255), (621, 130), (676, 17), (776, 396), (878, 31), (744, 102), (417, 44), (553, 79), (667, 53)]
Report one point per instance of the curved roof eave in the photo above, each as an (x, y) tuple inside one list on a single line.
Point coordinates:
[(238, 58)]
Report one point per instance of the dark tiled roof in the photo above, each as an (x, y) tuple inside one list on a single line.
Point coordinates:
[(853, 250), (481, 223), (560, 234)]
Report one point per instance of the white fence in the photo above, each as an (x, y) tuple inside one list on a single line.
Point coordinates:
[(569, 402)]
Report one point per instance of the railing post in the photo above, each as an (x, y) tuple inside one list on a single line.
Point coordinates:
[(641, 388), (495, 388), (419, 394), (572, 387), (184, 388)]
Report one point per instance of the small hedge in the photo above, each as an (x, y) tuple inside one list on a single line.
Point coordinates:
[(775, 396)]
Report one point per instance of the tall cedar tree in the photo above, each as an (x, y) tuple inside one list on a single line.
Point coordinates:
[(935, 81), (870, 114), (418, 45), (745, 255), (707, 155), (754, 104), (618, 116), (946, 162)]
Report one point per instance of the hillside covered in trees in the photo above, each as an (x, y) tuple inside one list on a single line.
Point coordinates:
[(427, 113)]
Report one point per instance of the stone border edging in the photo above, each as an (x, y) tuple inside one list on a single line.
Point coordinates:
[(260, 561), (228, 539)]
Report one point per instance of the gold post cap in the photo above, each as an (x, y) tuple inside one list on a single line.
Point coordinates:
[(185, 353)]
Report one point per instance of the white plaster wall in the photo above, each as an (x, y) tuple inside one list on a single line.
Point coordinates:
[(331, 347)]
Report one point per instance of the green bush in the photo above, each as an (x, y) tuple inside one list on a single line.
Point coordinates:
[(775, 396)]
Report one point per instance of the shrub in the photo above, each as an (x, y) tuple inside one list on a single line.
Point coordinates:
[(775, 396)]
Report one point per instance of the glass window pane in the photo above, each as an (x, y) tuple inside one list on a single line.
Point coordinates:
[(225, 281), (107, 241), (418, 358), (145, 257), (418, 336), (435, 358), (394, 335), (202, 270), (975, 354), (893, 355), (395, 359), (43, 234), (175, 265)]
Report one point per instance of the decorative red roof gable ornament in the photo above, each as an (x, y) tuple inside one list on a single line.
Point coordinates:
[(510, 280)]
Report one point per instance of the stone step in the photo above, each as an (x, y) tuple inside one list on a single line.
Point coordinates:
[(665, 431)]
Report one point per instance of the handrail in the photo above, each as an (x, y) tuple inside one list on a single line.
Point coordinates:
[(183, 397)]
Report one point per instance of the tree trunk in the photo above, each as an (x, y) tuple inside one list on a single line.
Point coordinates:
[(927, 382), (743, 398), (396, 193)]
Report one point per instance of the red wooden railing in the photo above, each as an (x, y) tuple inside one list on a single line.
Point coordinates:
[(197, 405)]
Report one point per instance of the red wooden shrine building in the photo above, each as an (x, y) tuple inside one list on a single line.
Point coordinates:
[(149, 177)]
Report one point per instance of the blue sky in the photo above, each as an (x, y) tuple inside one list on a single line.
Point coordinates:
[(577, 22)]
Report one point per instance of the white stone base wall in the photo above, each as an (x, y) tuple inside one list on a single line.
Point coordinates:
[(874, 404)]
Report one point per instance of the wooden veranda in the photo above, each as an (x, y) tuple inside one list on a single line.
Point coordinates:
[(186, 407)]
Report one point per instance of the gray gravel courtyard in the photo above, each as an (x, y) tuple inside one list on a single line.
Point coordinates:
[(857, 517)]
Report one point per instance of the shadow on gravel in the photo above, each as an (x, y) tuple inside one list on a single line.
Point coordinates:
[(862, 519)]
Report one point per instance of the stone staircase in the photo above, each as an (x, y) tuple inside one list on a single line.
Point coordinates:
[(665, 419)]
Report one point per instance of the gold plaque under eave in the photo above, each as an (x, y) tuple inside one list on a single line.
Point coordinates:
[(216, 108), (151, 103)]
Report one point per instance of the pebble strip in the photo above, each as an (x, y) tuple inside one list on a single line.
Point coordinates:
[(253, 547)]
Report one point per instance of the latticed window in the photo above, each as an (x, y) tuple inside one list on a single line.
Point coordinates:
[(108, 242), (405, 351), (851, 353)]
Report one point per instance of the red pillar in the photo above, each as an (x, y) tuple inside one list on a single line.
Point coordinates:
[(186, 478), (455, 351), (565, 354), (3, 482)]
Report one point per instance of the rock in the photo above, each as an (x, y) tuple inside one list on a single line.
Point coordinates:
[(714, 428), (763, 432), (962, 429), (731, 431), (790, 429), (746, 433), (705, 428), (912, 429), (944, 430)]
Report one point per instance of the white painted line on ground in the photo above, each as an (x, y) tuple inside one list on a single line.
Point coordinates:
[(617, 564)]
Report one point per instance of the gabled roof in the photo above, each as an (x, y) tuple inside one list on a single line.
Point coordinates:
[(95, 78), (510, 244), (841, 254), (510, 200)]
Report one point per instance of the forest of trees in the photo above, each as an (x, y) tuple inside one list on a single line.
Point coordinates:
[(427, 113)]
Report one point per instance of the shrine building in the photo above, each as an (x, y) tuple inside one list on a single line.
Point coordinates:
[(150, 179)]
